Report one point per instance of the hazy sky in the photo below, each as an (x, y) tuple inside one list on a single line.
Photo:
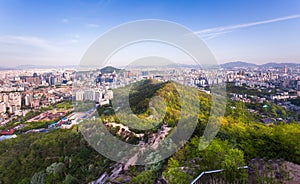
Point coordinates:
[(59, 32)]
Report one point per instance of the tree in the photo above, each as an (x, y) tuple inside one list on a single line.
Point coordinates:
[(70, 180), (146, 177), (38, 178), (234, 159), (175, 173)]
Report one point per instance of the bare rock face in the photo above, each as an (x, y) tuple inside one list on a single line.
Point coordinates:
[(279, 171), (294, 173)]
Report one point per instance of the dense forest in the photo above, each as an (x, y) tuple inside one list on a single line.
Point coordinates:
[(64, 156), (60, 156)]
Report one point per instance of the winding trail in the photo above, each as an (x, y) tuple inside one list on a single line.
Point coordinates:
[(118, 168)]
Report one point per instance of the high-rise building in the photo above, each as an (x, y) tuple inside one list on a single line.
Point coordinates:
[(28, 99), (298, 88), (89, 95), (285, 70), (79, 95), (5, 98), (52, 80), (2, 107), (98, 96)]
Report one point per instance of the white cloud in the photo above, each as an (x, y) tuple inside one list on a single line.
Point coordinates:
[(214, 32), (16, 50), (64, 20), (26, 41), (72, 38), (213, 35), (73, 41), (76, 36), (93, 25)]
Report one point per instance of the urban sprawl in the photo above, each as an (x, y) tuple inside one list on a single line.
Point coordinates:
[(34, 95)]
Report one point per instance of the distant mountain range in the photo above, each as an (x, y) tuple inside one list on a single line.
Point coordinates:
[(4, 68), (27, 67), (241, 64), (238, 64), (109, 69), (235, 64)]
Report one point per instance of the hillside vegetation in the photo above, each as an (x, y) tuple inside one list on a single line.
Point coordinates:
[(64, 156)]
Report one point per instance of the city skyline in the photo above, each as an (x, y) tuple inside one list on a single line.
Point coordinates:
[(161, 91), (59, 33)]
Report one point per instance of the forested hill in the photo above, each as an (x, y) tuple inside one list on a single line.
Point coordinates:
[(64, 156)]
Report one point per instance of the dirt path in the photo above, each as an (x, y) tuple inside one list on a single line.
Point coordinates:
[(154, 141)]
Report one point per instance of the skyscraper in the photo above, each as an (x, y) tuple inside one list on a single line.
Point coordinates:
[(285, 70), (298, 88)]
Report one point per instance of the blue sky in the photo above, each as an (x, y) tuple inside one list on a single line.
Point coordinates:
[(59, 32)]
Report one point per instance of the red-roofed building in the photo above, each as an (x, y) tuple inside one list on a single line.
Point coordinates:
[(7, 132)]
